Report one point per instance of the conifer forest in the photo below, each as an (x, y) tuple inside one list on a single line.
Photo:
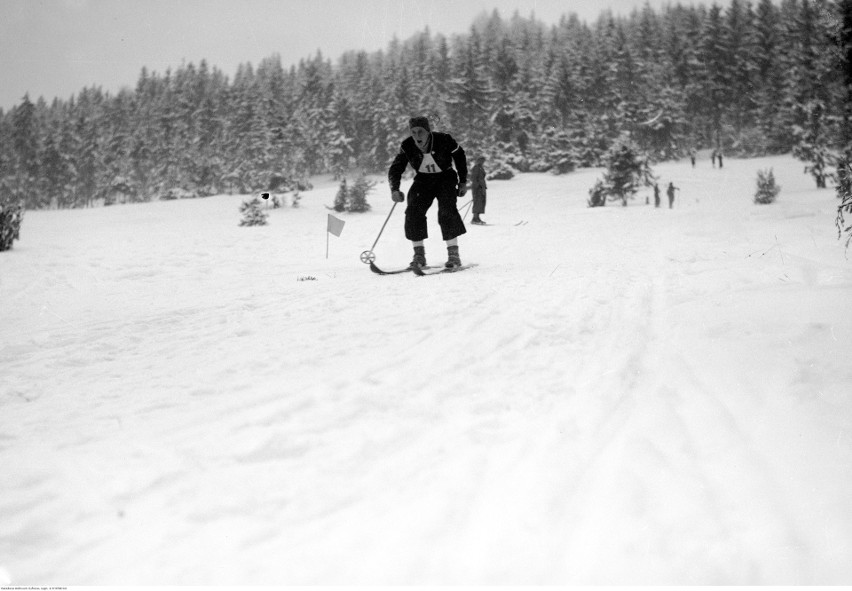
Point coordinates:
[(744, 78)]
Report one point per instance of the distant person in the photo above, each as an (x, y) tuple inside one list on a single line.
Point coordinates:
[(720, 158), (713, 158), (478, 187), (432, 155), (656, 195), (671, 193), (692, 156)]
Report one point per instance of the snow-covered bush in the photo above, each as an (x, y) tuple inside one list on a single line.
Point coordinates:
[(177, 193), (767, 190), (11, 216), (500, 172), (253, 215), (597, 194), (504, 159)]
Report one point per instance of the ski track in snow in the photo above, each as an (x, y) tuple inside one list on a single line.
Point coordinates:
[(613, 396)]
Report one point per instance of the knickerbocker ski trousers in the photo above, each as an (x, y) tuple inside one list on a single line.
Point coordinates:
[(420, 197)]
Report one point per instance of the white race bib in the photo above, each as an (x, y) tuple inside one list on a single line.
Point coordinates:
[(428, 165)]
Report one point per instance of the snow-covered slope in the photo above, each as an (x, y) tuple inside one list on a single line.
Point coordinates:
[(614, 395)]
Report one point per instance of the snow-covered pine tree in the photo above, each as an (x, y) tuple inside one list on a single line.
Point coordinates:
[(843, 42), (715, 84), (253, 215), (767, 190), (560, 156), (470, 94), (843, 221), (626, 171), (358, 195), (341, 200), (770, 76), (340, 152), (812, 142), (25, 165)]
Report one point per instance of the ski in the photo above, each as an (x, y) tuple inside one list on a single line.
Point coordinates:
[(422, 272), (378, 271)]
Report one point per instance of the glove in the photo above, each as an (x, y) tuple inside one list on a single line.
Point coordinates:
[(462, 189), (397, 196)]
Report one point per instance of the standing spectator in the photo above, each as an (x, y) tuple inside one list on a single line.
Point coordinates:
[(671, 193), (478, 186), (692, 156), (720, 158), (656, 195), (713, 158)]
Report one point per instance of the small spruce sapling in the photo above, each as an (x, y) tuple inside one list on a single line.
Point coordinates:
[(341, 200), (354, 198), (358, 195), (626, 171), (767, 190), (253, 214), (11, 216)]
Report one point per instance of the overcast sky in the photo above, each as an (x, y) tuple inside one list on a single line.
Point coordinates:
[(53, 48)]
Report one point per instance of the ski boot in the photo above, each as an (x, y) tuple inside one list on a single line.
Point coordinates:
[(419, 259), (453, 259)]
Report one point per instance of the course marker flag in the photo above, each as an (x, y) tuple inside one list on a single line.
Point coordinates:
[(335, 226)]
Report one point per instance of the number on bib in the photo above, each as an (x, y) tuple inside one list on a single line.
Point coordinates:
[(428, 165)]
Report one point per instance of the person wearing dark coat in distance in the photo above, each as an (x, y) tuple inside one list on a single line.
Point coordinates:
[(671, 193), (478, 188)]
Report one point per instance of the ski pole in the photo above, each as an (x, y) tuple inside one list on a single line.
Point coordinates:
[(466, 207), (368, 256)]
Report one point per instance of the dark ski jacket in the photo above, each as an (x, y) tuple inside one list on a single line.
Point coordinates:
[(445, 151)]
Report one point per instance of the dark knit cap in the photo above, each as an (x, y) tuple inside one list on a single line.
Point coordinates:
[(419, 121)]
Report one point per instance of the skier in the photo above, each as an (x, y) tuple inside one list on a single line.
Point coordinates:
[(692, 156), (656, 195), (671, 193), (432, 155), (478, 187)]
